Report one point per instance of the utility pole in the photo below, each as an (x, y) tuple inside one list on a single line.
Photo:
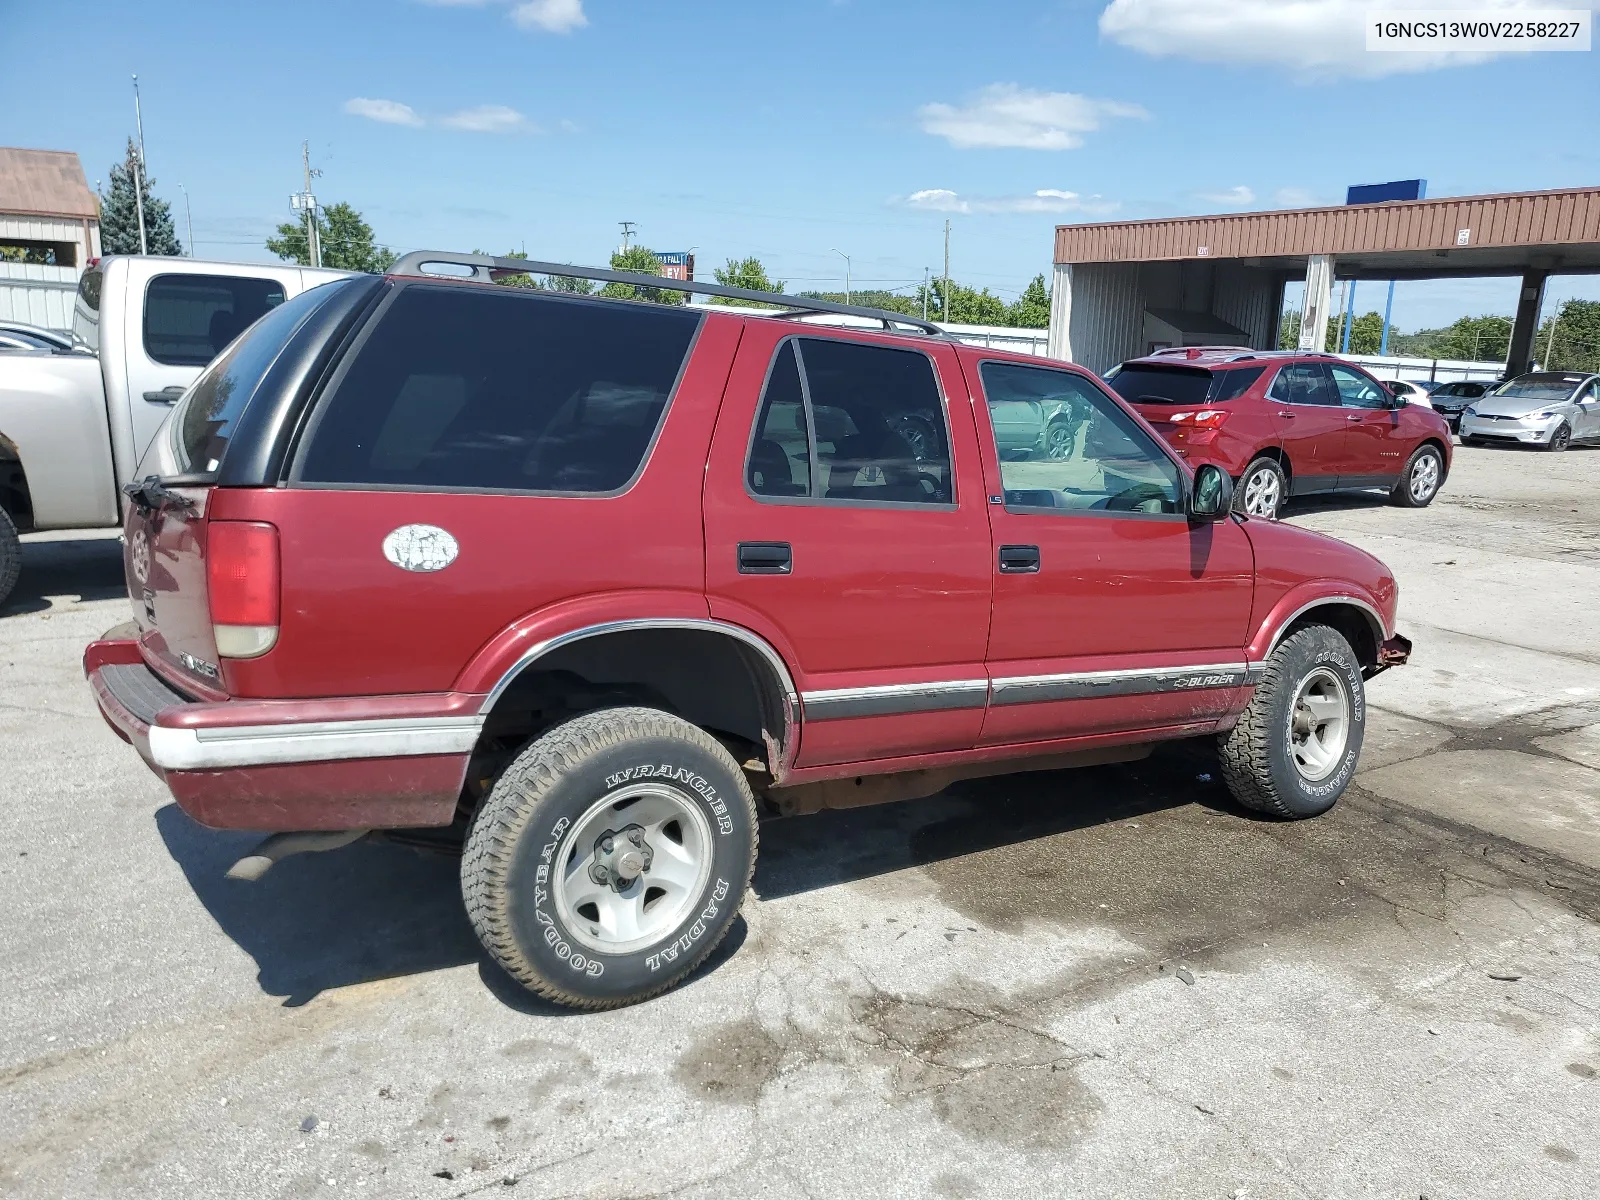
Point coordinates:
[(627, 234), (944, 303), (1550, 341), (924, 293), (139, 169), (846, 258), (306, 202), (188, 217)]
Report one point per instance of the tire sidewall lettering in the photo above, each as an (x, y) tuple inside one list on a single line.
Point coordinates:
[(668, 773)]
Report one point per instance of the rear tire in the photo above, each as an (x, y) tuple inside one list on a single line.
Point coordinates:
[(1262, 489), (1421, 480), (1560, 439), (610, 857), (10, 555), (1294, 750)]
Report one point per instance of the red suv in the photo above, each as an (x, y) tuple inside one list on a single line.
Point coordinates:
[(596, 581), (1284, 423)]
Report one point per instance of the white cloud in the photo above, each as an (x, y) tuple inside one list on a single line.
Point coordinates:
[(1045, 200), (1233, 195), (551, 16), (1005, 115), (1319, 39), (390, 112), (488, 118)]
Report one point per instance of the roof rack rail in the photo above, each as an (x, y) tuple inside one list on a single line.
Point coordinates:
[(486, 268)]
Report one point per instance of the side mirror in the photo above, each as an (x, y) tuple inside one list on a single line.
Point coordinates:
[(1211, 498)]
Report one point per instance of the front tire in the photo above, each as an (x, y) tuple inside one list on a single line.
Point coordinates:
[(1560, 439), (1294, 750), (1262, 489), (1421, 479), (10, 555), (610, 857)]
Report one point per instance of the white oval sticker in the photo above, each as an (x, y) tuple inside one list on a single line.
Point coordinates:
[(420, 548)]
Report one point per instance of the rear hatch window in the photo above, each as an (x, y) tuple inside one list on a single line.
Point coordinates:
[(1143, 383), (497, 389)]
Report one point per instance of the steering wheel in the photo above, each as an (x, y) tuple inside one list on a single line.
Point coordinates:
[(1134, 498)]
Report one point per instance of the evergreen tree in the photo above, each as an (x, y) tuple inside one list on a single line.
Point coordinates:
[(119, 213), (346, 239)]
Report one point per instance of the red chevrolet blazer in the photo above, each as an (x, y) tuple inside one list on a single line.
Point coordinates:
[(597, 581), (1287, 423)]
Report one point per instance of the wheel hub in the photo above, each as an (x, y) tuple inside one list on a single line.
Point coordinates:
[(620, 857)]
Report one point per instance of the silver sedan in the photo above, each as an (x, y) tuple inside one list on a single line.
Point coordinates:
[(1548, 409)]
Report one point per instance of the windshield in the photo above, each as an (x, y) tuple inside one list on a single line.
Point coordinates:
[(1537, 389), (206, 416)]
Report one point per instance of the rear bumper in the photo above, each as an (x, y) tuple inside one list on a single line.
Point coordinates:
[(390, 763)]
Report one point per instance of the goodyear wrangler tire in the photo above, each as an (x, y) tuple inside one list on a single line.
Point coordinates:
[(1294, 750), (611, 857)]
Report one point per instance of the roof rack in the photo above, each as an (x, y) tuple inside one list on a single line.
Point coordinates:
[(486, 268)]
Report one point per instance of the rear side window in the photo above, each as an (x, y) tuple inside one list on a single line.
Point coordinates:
[(209, 411), (1232, 384), (189, 319), (851, 421), (501, 390), (1140, 384), (86, 309)]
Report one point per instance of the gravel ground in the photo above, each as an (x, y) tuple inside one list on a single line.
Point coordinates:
[(1107, 982)]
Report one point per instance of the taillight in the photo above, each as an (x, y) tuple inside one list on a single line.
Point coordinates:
[(1205, 418), (242, 584)]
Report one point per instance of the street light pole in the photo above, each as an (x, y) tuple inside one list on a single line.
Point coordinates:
[(846, 258), (188, 217), (139, 169)]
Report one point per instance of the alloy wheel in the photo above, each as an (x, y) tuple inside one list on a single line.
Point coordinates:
[(1319, 724), (1424, 478), (1262, 493), (632, 868)]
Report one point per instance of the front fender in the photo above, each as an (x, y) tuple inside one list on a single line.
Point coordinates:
[(1306, 598)]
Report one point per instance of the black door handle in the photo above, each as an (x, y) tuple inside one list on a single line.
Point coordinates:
[(167, 395), (765, 558), (1019, 560)]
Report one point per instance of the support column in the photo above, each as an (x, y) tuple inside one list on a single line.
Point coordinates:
[(1519, 356), (1059, 344), (1314, 310)]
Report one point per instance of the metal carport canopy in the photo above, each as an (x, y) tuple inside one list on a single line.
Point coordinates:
[(1532, 234)]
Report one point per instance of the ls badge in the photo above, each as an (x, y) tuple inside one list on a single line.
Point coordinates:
[(420, 548)]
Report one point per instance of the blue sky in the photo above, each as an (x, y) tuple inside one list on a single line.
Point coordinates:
[(788, 129)]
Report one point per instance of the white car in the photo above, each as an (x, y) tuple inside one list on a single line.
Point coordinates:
[(1548, 409), (1412, 393)]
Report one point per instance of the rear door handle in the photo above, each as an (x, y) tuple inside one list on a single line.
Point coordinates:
[(167, 395), (765, 558), (1286, 413), (1019, 560), (1353, 417)]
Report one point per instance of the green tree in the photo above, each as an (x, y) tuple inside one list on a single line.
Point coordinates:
[(872, 298), (966, 306), (119, 212), (1576, 346), (641, 262), (1366, 334), (1032, 309), (1289, 330), (1480, 339), (568, 283), (347, 242), (747, 273)]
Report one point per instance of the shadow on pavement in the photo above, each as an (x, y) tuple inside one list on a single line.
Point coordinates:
[(80, 569)]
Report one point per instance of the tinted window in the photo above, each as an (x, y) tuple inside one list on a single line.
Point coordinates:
[(1536, 387), (1233, 384), (1104, 463), (1356, 390), (780, 455), (1138, 383), (189, 319), (1303, 383), (210, 409), (86, 309), (878, 423), (501, 389)]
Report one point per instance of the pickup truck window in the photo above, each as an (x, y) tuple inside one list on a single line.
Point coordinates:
[(209, 410), (86, 311), (189, 319), (851, 421), (1065, 446), (500, 389)]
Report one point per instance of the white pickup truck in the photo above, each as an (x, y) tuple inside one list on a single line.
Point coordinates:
[(75, 423)]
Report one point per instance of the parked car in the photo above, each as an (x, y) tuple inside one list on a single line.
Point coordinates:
[(1408, 390), (596, 581), (77, 414), (1548, 409), (1450, 398), (1286, 423)]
